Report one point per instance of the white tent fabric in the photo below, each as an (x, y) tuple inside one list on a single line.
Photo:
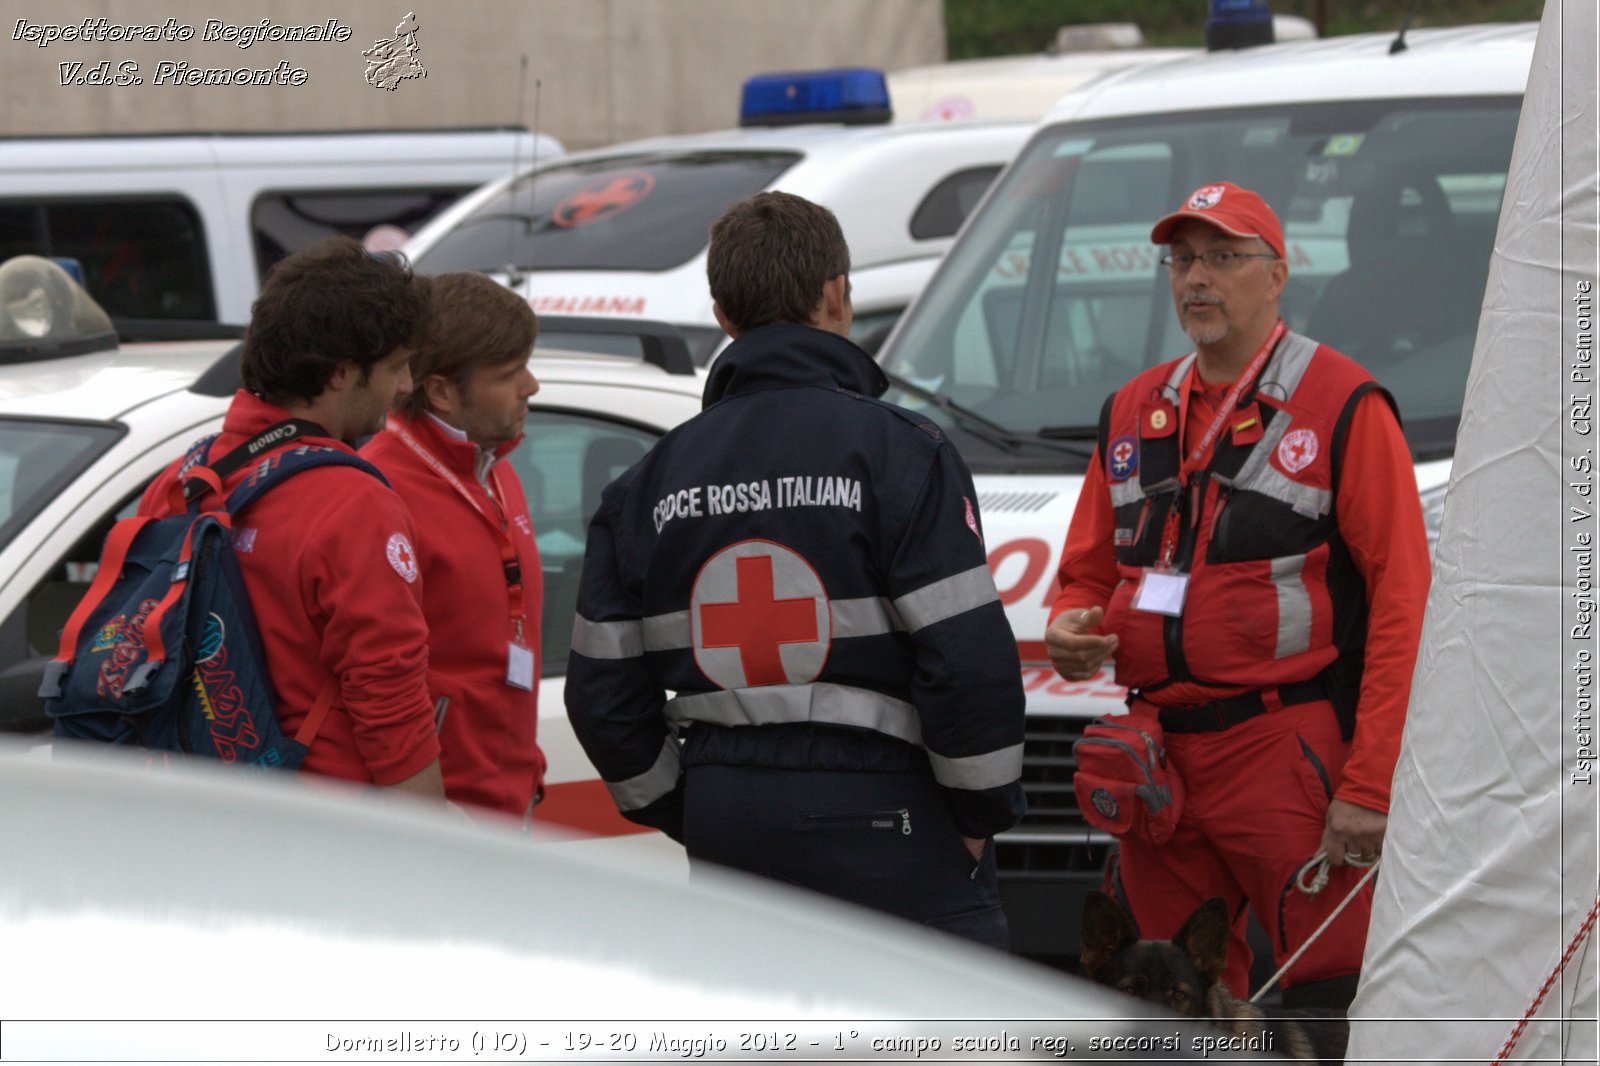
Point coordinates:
[(1490, 866)]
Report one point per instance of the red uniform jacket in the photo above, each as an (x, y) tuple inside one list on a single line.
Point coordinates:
[(489, 732), (329, 563)]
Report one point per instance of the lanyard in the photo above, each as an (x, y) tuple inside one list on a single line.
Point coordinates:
[(509, 560), (1197, 455), (1200, 452)]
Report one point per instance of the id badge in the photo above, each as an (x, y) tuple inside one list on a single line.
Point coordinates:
[(1161, 592), (519, 666)]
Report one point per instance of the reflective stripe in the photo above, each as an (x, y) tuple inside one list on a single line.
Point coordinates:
[(1126, 492), (1289, 364), (606, 640), (787, 704), (1294, 606), (638, 792), (991, 770), (1307, 500), (869, 616), (1175, 379), (667, 632), (1258, 474), (947, 598)]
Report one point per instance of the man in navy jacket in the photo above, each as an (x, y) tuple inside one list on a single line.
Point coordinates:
[(802, 565)]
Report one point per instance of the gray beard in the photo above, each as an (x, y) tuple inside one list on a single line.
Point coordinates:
[(1206, 334)]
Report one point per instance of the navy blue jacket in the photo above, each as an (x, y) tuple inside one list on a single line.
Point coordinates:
[(802, 565)]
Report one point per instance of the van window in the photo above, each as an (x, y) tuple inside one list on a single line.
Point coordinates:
[(284, 221), (943, 210), (1055, 297), (649, 211), (142, 257), (564, 462)]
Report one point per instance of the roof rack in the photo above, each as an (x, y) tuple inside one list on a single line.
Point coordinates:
[(662, 343)]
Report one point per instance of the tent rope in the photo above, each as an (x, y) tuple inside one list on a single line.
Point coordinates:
[(1549, 982)]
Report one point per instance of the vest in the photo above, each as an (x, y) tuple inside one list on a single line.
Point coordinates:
[(1273, 596)]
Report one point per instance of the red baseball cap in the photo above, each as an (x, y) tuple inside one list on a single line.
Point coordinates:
[(1231, 209)]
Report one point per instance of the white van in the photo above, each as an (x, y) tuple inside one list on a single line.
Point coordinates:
[(180, 228), (623, 230), (1387, 169)]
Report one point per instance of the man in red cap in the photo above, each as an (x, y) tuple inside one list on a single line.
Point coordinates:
[(1249, 551)]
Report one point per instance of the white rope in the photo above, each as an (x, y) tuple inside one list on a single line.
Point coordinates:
[(1320, 863)]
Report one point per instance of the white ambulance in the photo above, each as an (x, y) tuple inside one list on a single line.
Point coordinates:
[(623, 230), (1387, 166)]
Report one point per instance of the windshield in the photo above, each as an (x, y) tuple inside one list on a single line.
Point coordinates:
[(650, 211), (38, 458), (1054, 297)]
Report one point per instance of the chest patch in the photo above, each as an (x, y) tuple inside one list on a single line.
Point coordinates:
[(1122, 458), (1298, 450)]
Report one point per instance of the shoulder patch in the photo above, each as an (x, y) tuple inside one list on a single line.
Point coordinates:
[(402, 556)]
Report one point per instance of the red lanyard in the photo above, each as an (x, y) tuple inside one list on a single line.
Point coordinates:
[(1202, 448), (509, 559), (1199, 454)]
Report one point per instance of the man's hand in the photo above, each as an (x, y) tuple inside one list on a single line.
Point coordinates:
[(1076, 649), (1353, 834), (975, 846)]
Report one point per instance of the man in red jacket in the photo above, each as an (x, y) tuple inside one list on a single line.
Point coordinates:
[(328, 556), (1249, 549), (443, 451)]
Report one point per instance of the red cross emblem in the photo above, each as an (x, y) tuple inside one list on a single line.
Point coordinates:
[(603, 199), (1297, 450), (401, 556), (759, 616)]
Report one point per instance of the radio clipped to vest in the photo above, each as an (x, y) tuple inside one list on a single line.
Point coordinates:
[(1123, 783)]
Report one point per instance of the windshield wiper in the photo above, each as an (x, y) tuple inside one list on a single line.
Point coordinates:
[(980, 426)]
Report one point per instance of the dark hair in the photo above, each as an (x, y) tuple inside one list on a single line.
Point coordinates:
[(770, 256), (472, 322), (326, 303)]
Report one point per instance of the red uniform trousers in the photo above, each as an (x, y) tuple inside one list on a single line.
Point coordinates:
[(1256, 796)]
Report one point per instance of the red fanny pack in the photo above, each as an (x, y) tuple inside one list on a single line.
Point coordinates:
[(1123, 783)]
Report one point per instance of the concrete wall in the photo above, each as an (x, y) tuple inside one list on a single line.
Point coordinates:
[(607, 70)]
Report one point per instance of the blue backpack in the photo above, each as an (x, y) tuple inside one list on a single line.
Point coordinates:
[(163, 651)]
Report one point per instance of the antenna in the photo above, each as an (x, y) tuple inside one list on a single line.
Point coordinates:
[(514, 276), (1399, 43)]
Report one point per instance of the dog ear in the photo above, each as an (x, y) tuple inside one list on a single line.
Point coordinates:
[(1106, 930), (1204, 938)]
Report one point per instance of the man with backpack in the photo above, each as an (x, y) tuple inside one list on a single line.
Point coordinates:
[(327, 555)]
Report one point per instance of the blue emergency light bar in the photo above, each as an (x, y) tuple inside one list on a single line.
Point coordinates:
[(853, 95), (1238, 24)]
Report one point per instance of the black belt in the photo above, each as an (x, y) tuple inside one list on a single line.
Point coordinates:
[(1226, 713)]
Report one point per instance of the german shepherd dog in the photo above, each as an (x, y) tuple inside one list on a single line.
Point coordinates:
[(1184, 976)]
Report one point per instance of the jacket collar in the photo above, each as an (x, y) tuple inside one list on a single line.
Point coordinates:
[(452, 447), (783, 355), (248, 414)]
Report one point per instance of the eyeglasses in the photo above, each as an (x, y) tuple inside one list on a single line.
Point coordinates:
[(1220, 259)]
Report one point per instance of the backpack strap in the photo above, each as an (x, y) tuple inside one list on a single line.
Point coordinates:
[(279, 467), (318, 714), (111, 562), (258, 446)]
